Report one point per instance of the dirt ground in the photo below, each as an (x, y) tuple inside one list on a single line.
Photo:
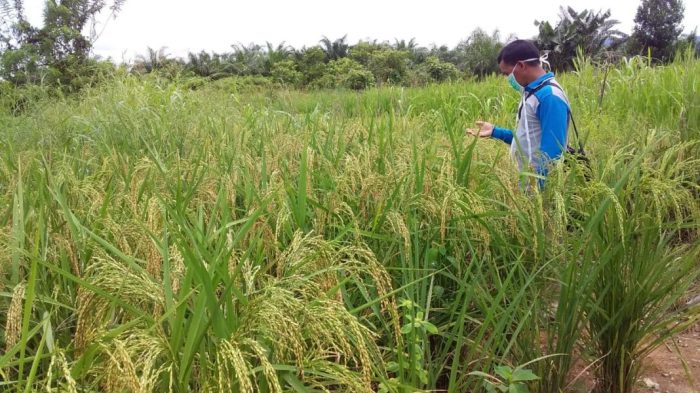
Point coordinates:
[(665, 368), (662, 371)]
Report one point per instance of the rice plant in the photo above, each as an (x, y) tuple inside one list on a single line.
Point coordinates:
[(154, 238)]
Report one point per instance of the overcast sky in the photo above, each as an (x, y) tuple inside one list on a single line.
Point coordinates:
[(214, 25)]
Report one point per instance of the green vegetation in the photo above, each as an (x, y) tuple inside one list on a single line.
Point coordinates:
[(592, 33), (163, 234), (57, 53), (230, 222), (657, 27)]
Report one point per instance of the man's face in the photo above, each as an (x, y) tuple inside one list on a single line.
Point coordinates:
[(516, 69)]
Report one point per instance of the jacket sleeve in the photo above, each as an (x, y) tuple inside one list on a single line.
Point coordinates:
[(503, 134), (553, 113)]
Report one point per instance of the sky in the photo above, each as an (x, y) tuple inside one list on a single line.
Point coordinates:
[(214, 25)]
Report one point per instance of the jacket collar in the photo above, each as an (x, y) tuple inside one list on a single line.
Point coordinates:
[(534, 84)]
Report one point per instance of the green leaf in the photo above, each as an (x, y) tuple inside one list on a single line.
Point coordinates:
[(505, 372), (523, 375), (48, 332), (430, 328), (423, 376), (518, 388), (296, 384), (406, 303), (490, 388)]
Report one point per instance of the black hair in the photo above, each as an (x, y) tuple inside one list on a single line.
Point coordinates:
[(518, 50)]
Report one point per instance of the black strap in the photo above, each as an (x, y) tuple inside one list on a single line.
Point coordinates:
[(548, 82), (578, 138)]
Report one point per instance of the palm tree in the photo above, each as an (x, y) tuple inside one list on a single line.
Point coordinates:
[(592, 32), (276, 54), (417, 54), (152, 60), (335, 49), (281, 52), (477, 54), (248, 60), (403, 45), (205, 65)]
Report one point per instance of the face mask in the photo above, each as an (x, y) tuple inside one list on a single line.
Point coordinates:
[(514, 83), (511, 77)]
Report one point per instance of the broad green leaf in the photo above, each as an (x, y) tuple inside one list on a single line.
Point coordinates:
[(523, 375)]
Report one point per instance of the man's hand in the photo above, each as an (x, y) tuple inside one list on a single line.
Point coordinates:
[(484, 131)]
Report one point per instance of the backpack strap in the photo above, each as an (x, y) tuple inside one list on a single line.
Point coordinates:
[(548, 82), (544, 83)]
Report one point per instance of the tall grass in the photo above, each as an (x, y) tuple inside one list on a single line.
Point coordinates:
[(160, 239)]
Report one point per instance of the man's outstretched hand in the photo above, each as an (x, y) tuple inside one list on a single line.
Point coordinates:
[(484, 129)]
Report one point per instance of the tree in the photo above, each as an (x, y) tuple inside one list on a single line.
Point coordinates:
[(592, 32), (657, 27), (416, 54), (436, 70), (311, 62), (346, 73), (389, 65), (477, 54), (203, 64), (275, 54), (249, 60), (10, 14), (407, 46), (688, 44), (153, 60), (444, 53), (58, 50), (286, 72), (363, 50), (336, 49)]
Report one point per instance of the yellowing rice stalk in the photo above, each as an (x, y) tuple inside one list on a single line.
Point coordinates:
[(158, 239)]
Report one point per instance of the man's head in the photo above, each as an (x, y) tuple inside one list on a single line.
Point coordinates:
[(522, 58)]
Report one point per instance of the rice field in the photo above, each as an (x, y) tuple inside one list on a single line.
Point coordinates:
[(156, 237)]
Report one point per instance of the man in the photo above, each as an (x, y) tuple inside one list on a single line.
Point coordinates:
[(543, 114)]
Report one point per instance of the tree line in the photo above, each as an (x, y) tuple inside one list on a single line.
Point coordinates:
[(58, 53)]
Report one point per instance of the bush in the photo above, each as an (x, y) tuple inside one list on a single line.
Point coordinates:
[(311, 64), (17, 100), (345, 73), (237, 84), (389, 66), (193, 82), (286, 72), (439, 71), (478, 53)]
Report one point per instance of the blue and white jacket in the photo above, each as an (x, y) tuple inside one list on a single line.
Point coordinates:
[(542, 126)]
